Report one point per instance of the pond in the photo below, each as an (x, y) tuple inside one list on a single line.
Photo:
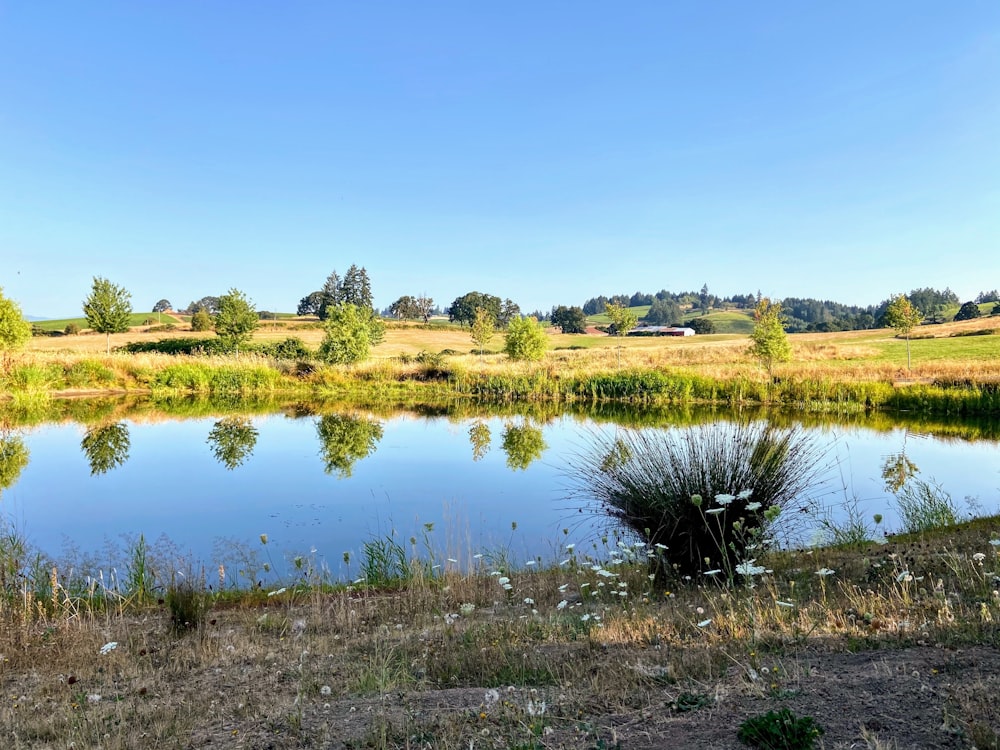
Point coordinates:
[(320, 485)]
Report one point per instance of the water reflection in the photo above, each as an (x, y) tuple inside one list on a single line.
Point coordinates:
[(232, 440), (480, 439), (344, 440), (898, 469), (523, 445), (106, 447), (13, 458)]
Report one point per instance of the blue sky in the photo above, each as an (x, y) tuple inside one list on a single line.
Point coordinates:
[(543, 151)]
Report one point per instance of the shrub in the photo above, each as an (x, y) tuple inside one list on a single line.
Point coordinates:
[(71, 329), (653, 482), (88, 372), (201, 321), (780, 730), (924, 506), (291, 348), (525, 339), (188, 603)]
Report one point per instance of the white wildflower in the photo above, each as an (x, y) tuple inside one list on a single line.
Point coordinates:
[(715, 511), (904, 577), (753, 506), (570, 547), (784, 604), (325, 690), (503, 580), (277, 592), (107, 648), (823, 572), (562, 604), (749, 569), (744, 494), (979, 557), (705, 623), (714, 572), (529, 601), (724, 499)]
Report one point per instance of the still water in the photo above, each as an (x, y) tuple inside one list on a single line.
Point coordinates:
[(322, 485)]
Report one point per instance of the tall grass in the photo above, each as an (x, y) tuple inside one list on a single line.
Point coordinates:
[(702, 495)]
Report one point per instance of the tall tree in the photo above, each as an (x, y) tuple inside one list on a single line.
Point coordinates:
[(768, 341), (330, 292), (902, 316), (463, 309), (425, 305), (569, 319), (236, 320), (968, 311), (356, 289), (310, 304), (14, 329), (108, 308), (162, 306), (405, 308)]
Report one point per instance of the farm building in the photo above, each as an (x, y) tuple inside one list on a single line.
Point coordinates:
[(661, 331)]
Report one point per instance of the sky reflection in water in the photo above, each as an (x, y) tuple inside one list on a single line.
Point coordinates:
[(209, 484)]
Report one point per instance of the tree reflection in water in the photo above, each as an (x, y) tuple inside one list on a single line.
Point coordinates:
[(344, 440), (233, 440), (106, 447)]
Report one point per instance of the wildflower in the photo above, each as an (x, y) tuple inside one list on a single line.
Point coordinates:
[(508, 587), (93, 698), (715, 511), (753, 506), (660, 546), (478, 556), (696, 500), (107, 648), (749, 569), (564, 562), (467, 609), (995, 542), (714, 572), (277, 592), (535, 709), (452, 560), (979, 557), (744, 494), (570, 547), (503, 580), (904, 577), (724, 499), (562, 604), (705, 623), (563, 587), (450, 620), (263, 538), (584, 618), (530, 562), (824, 572), (784, 604), (529, 601), (606, 573), (325, 690), (492, 697)]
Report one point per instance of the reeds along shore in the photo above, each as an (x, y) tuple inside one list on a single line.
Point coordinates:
[(713, 374)]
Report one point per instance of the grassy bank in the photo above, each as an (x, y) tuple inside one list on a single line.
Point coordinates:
[(475, 649), (953, 373)]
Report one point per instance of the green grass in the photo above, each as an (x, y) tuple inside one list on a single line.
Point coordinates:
[(137, 319), (726, 321), (945, 349)]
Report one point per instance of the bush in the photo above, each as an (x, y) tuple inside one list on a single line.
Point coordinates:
[(646, 480), (201, 321), (291, 348), (188, 603), (924, 506), (780, 730), (71, 329), (525, 339)]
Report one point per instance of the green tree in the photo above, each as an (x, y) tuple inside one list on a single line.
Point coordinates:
[(623, 320), (14, 329), (13, 458), (351, 332), (356, 289), (768, 341), (232, 440), (463, 309), (701, 325), (236, 320), (344, 440), (162, 306), (329, 295), (525, 339), (663, 312), (480, 439), (106, 447), (108, 308), (968, 311), (903, 317), (569, 319), (201, 321), (523, 445), (483, 327), (310, 304)]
